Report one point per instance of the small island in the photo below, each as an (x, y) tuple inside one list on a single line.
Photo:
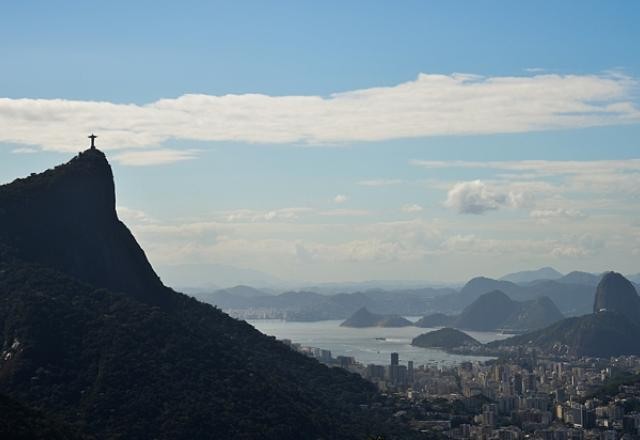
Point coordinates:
[(445, 338), (364, 318)]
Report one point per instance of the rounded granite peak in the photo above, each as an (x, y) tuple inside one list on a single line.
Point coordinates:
[(616, 294)]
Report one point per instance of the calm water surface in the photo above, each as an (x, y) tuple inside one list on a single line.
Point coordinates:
[(361, 343)]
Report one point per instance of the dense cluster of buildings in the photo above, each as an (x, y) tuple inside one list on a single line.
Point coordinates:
[(520, 398)]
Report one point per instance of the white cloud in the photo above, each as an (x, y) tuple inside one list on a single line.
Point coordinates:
[(340, 198), (563, 247), (539, 167), (130, 215), (616, 178), (576, 246), (547, 215), (153, 157), (412, 208), (24, 150), (476, 197), (309, 247), (250, 215), (612, 182), (431, 105)]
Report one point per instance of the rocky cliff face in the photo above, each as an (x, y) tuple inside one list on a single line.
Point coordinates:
[(65, 218), (616, 294)]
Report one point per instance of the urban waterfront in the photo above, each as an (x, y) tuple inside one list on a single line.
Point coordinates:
[(372, 345)]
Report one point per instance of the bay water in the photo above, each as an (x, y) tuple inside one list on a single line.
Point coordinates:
[(371, 345)]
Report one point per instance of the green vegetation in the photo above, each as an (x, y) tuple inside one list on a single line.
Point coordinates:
[(116, 367), (18, 422), (603, 334), (612, 385), (89, 334)]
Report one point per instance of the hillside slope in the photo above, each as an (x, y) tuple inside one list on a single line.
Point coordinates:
[(89, 333), (601, 334), (495, 310)]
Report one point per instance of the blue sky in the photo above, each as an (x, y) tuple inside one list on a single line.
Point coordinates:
[(339, 141)]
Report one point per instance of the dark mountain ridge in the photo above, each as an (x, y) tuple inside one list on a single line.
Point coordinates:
[(89, 333), (65, 218), (616, 294)]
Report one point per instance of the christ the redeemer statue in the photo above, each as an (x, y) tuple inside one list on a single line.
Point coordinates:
[(93, 138)]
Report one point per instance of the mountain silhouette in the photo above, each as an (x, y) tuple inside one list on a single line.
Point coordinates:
[(90, 335), (364, 318), (616, 294), (65, 218), (528, 276), (495, 310)]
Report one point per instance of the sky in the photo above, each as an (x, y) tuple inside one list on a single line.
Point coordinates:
[(341, 141)]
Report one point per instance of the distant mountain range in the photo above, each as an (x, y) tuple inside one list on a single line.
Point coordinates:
[(570, 298), (489, 312), (312, 306), (496, 311), (612, 329), (572, 294), (528, 276)]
